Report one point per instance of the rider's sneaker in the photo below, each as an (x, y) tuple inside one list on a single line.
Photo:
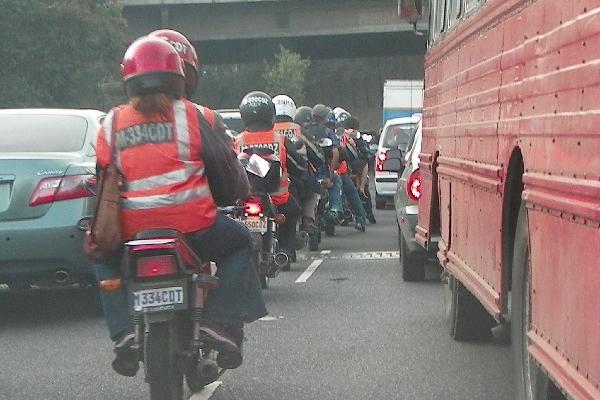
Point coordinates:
[(126, 362), (227, 341), (360, 227), (232, 360), (372, 219)]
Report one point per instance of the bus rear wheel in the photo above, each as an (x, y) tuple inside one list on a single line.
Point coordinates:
[(531, 383)]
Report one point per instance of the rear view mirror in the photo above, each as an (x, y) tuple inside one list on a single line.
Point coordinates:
[(392, 165), (394, 154), (393, 161)]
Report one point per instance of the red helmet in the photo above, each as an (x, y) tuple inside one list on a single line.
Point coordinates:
[(186, 51), (151, 65)]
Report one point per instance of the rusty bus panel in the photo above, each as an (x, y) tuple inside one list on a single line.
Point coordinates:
[(527, 79)]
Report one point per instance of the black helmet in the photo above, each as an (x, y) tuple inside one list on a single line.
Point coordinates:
[(303, 115), (351, 123), (320, 113), (257, 108)]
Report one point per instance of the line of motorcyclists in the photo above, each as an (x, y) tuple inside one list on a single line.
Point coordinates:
[(178, 179)]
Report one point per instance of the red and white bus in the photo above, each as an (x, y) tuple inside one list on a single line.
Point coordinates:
[(510, 168)]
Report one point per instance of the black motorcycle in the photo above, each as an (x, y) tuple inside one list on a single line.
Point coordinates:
[(259, 214)]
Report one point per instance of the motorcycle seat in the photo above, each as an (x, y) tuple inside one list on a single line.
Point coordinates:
[(159, 233)]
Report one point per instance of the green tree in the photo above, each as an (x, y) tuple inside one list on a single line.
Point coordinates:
[(56, 53), (223, 86), (287, 75)]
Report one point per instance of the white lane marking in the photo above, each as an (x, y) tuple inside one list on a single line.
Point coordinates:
[(270, 318), (309, 271), (207, 392), (364, 255), (325, 251)]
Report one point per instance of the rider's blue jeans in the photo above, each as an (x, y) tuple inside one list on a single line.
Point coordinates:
[(335, 193), (238, 298), (343, 183)]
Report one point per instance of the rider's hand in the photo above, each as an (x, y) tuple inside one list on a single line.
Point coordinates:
[(327, 183)]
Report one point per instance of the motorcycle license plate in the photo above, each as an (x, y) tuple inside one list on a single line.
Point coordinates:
[(255, 224), (158, 299)]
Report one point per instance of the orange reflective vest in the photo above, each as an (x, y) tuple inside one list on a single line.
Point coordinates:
[(160, 160), (207, 113), (291, 130), (343, 168), (271, 141)]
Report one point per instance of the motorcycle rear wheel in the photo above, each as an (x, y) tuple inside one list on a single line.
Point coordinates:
[(166, 382)]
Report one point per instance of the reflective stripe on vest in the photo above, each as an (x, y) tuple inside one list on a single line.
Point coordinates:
[(165, 200), (169, 178)]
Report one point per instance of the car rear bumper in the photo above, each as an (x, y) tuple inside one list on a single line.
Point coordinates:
[(386, 184), (31, 251), (408, 218)]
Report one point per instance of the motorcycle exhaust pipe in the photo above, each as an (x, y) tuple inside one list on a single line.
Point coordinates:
[(280, 259), (61, 276)]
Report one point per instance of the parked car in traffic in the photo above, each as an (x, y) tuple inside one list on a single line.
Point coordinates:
[(413, 258), (47, 178), (233, 120), (397, 133)]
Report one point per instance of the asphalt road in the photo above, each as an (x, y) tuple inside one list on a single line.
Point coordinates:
[(353, 330)]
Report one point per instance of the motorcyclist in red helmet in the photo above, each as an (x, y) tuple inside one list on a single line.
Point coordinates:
[(174, 171), (191, 66)]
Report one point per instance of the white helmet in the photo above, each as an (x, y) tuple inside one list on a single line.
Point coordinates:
[(284, 105), (339, 111)]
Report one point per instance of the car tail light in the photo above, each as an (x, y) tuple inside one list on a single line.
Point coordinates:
[(253, 208), (381, 157), (413, 186), (68, 187), (149, 267)]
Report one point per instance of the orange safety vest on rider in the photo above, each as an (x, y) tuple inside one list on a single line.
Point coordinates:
[(343, 168), (159, 157), (291, 130), (273, 142)]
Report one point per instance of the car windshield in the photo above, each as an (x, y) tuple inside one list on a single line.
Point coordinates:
[(24, 133), (399, 136)]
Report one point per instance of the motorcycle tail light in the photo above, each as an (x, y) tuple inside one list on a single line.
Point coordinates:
[(253, 208), (150, 267)]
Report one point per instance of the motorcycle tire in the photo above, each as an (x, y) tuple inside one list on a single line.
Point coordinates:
[(166, 382), (329, 229), (313, 241)]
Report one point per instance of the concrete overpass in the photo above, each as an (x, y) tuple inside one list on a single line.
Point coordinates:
[(251, 30)]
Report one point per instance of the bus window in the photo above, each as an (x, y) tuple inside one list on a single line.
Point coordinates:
[(432, 24), (440, 17), (471, 4), (454, 11)]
